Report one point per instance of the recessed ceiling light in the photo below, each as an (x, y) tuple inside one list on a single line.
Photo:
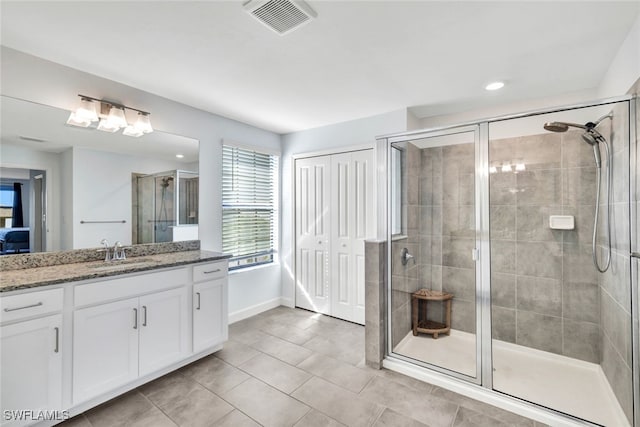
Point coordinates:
[(180, 156), (494, 86)]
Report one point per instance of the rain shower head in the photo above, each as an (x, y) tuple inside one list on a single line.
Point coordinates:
[(165, 181), (562, 126)]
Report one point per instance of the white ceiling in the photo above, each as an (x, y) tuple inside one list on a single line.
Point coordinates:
[(357, 59)]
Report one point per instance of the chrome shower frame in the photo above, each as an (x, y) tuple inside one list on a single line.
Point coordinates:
[(482, 388)]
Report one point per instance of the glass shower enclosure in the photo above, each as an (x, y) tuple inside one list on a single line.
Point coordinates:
[(164, 201), (494, 232)]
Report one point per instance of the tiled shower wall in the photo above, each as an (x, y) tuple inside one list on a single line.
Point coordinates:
[(545, 292), (615, 292), (438, 201), (404, 278)]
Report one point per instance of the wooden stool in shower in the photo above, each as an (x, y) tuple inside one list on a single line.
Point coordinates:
[(419, 301)]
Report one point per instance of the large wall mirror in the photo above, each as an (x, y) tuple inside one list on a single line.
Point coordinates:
[(64, 187)]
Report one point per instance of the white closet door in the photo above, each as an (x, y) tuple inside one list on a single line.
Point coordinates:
[(312, 234), (352, 222)]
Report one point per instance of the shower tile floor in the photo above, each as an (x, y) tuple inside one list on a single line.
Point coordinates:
[(559, 382), (291, 367)]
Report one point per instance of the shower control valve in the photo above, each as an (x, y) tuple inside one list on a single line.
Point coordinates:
[(405, 256)]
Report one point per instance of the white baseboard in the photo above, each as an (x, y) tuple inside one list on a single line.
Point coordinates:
[(288, 302), (245, 313)]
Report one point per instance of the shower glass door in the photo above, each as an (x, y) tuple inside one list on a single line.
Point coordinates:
[(434, 238), (561, 330)]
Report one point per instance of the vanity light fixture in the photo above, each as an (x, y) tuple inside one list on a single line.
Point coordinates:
[(506, 167), (520, 167), (180, 156), (111, 116), (493, 169)]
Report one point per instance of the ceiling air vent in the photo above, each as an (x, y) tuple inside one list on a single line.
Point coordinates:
[(282, 16)]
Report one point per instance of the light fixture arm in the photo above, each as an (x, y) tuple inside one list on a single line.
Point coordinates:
[(113, 104)]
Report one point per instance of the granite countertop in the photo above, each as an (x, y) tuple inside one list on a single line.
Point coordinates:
[(11, 280)]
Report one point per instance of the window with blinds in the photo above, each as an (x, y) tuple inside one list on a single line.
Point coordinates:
[(249, 200)]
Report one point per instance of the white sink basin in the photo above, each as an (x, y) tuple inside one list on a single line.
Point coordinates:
[(122, 265)]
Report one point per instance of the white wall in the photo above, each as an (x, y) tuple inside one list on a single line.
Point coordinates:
[(102, 192), (37, 80), (508, 108), (14, 156), (624, 70), (339, 137)]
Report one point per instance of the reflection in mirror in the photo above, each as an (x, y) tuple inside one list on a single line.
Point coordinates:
[(78, 186), (164, 211)]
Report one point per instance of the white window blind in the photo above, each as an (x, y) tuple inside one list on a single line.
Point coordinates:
[(248, 206)]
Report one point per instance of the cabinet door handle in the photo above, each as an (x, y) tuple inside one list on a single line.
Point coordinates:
[(198, 295), (212, 271), (144, 315), (135, 318), (38, 304), (57, 349)]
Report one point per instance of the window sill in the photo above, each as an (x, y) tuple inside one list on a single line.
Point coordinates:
[(255, 267)]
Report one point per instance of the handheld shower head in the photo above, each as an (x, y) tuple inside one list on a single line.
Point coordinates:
[(593, 141)]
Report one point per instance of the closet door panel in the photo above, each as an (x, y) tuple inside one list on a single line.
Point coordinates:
[(312, 238), (342, 230), (364, 225)]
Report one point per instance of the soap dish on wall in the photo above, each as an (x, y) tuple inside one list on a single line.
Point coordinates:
[(561, 222)]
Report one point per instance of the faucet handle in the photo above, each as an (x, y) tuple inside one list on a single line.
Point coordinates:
[(116, 250), (107, 255)]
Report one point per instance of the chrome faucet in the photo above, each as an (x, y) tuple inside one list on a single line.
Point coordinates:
[(107, 250), (118, 251)]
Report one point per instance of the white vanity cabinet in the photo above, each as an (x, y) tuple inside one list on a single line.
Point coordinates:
[(117, 342), (163, 329), (31, 354), (119, 333), (209, 305), (105, 348)]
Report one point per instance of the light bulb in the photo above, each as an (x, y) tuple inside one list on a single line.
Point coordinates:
[(506, 167), (87, 110), (116, 117), (74, 120), (132, 131), (520, 167), (493, 169), (143, 124), (105, 125)]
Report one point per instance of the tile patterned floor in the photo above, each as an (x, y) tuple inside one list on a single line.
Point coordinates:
[(289, 367)]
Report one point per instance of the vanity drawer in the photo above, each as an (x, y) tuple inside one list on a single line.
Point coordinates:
[(30, 304), (213, 270), (129, 286)]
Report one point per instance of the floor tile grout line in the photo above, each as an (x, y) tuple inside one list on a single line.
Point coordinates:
[(159, 408), (455, 416)]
